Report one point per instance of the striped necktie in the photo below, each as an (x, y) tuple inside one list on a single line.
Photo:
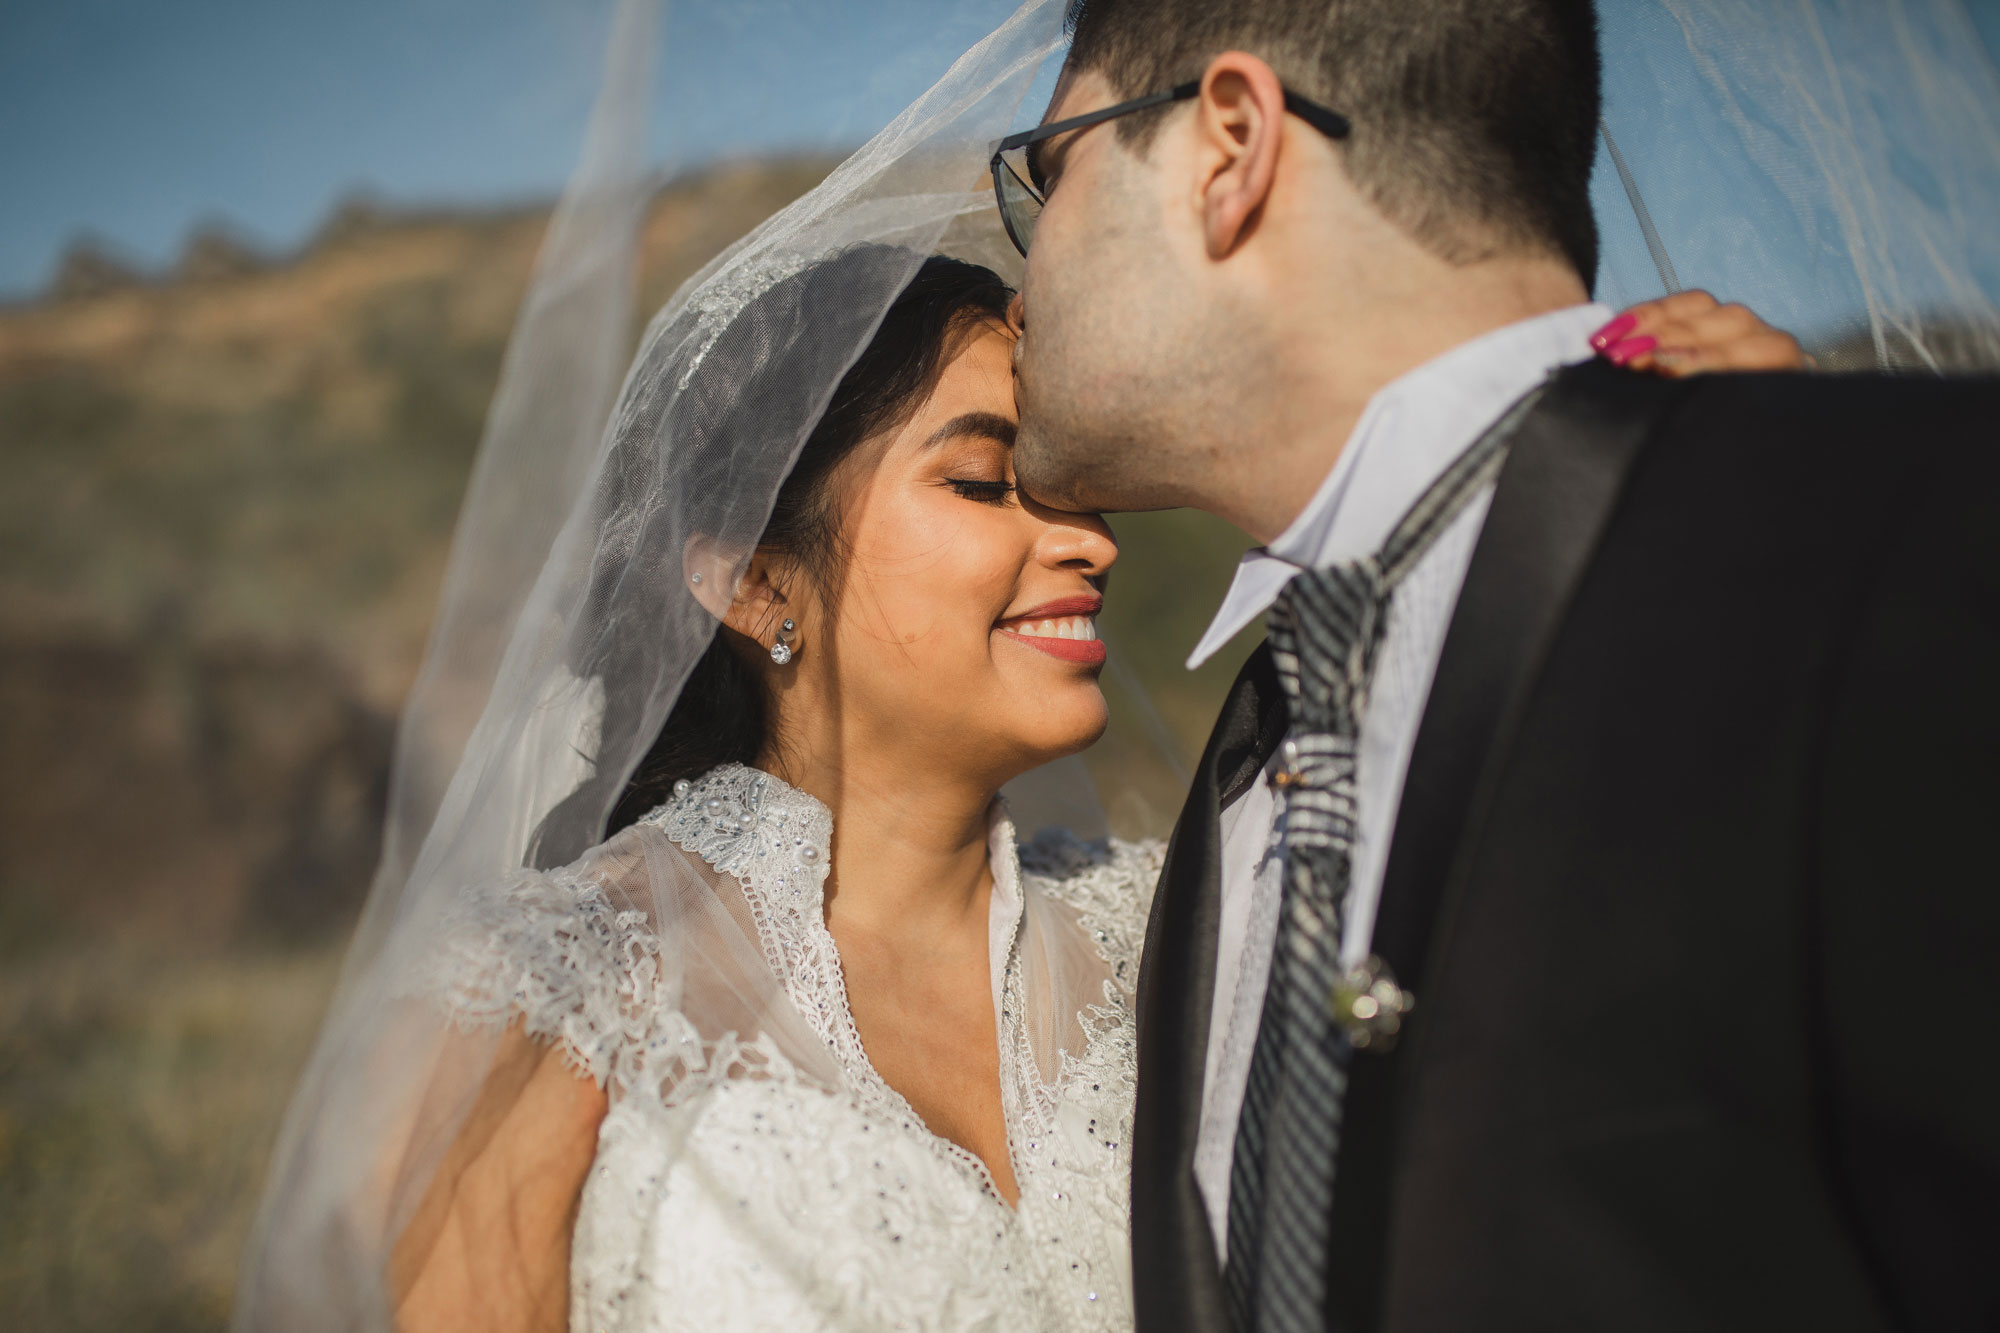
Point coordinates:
[(1325, 630)]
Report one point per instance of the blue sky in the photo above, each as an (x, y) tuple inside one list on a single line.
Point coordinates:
[(136, 120)]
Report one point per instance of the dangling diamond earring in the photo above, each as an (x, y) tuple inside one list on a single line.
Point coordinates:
[(781, 651)]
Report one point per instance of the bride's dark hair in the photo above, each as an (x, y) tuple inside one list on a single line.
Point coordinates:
[(723, 710)]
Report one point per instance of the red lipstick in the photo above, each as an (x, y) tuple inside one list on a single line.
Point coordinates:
[(1082, 604), (1086, 651)]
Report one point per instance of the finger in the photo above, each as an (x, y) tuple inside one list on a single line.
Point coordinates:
[(1649, 317), (1629, 351), (1724, 326), (1773, 349), (1675, 362), (1690, 304), (1720, 324), (1761, 347), (1767, 351), (1729, 321)]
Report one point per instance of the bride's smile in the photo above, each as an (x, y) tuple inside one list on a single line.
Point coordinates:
[(1065, 629)]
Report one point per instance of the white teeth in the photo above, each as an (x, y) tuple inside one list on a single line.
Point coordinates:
[(1069, 627)]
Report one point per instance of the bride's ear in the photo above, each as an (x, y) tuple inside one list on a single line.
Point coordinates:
[(757, 605), (753, 602), (708, 570)]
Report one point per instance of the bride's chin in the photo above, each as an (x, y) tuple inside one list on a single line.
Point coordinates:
[(1072, 735), (1085, 739)]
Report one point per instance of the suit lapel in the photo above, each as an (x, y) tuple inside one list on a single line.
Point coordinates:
[(1565, 471), (1177, 1281)]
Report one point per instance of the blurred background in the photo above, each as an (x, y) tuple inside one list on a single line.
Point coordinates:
[(258, 266)]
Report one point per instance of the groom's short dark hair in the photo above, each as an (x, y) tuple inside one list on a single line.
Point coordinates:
[(1475, 121)]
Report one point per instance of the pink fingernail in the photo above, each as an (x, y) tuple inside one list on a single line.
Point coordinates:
[(1629, 350), (1613, 331)]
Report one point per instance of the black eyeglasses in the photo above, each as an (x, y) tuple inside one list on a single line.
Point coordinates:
[(1018, 188)]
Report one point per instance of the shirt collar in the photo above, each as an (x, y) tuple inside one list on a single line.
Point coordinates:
[(1408, 434)]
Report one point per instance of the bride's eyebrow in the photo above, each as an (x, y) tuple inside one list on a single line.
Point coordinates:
[(989, 425)]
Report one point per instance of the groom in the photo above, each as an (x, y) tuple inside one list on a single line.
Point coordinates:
[(1585, 914)]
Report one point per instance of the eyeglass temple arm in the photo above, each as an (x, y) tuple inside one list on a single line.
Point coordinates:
[(1324, 119), (1178, 93)]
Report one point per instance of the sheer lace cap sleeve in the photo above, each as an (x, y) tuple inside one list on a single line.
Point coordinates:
[(643, 961)]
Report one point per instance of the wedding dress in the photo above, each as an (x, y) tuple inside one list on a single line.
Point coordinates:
[(741, 1183)]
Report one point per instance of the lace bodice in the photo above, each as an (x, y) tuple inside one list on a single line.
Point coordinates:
[(754, 1171)]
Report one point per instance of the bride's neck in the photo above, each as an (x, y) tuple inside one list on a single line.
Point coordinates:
[(909, 844)]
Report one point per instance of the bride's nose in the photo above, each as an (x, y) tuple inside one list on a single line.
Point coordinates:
[(1082, 542), (1017, 315)]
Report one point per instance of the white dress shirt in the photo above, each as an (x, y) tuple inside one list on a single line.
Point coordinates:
[(1410, 432)]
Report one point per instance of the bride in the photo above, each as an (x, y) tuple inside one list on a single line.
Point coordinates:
[(809, 1041), (723, 991)]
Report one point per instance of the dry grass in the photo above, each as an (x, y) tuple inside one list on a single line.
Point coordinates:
[(139, 1094)]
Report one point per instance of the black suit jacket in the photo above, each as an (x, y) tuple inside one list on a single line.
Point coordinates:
[(1695, 879)]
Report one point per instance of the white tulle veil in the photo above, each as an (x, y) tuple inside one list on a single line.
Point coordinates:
[(1834, 164)]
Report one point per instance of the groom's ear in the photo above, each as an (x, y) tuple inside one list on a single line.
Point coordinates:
[(1239, 119)]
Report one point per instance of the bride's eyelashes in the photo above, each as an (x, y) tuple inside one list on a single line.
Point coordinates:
[(986, 492)]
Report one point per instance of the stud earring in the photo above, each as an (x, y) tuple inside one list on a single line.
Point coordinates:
[(781, 651)]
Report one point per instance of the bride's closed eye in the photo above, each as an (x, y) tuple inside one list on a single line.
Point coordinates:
[(986, 492)]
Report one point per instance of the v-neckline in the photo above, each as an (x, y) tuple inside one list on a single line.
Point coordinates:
[(776, 841)]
